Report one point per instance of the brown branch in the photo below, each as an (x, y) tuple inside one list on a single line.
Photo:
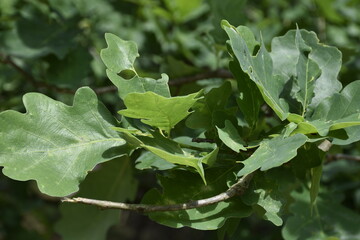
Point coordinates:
[(29, 78), (236, 189), (219, 73), (340, 156)]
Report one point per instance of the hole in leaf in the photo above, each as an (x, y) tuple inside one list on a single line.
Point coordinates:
[(256, 50), (306, 53), (127, 74)]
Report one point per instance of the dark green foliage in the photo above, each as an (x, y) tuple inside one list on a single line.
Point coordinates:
[(203, 93)]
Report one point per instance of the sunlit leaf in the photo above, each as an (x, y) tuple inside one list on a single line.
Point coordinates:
[(273, 153), (259, 67), (158, 111), (56, 144), (119, 58)]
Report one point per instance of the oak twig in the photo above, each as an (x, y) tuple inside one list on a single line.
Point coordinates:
[(236, 189)]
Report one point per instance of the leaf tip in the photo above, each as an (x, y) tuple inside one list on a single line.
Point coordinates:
[(225, 23)]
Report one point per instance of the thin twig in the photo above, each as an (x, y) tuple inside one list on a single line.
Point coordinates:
[(236, 189), (219, 73), (339, 156), (201, 140)]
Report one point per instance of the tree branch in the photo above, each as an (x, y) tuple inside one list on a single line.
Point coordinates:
[(236, 189), (339, 156), (29, 78), (219, 73)]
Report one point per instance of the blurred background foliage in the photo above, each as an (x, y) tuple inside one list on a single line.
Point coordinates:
[(52, 46)]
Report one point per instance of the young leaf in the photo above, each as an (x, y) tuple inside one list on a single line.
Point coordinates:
[(185, 186), (56, 144), (273, 153), (158, 111), (171, 151), (113, 182)]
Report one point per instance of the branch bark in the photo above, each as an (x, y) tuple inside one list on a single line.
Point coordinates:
[(235, 190)]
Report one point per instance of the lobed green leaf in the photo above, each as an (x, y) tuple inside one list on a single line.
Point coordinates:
[(273, 153), (55, 144), (158, 111)]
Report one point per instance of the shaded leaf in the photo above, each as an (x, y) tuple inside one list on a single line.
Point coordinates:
[(148, 160), (185, 186), (56, 144), (233, 11), (113, 181), (249, 99), (316, 173), (38, 33), (230, 137), (215, 99), (184, 10), (270, 191), (308, 157), (331, 221), (158, 111), (71, 70), (273, 153)]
